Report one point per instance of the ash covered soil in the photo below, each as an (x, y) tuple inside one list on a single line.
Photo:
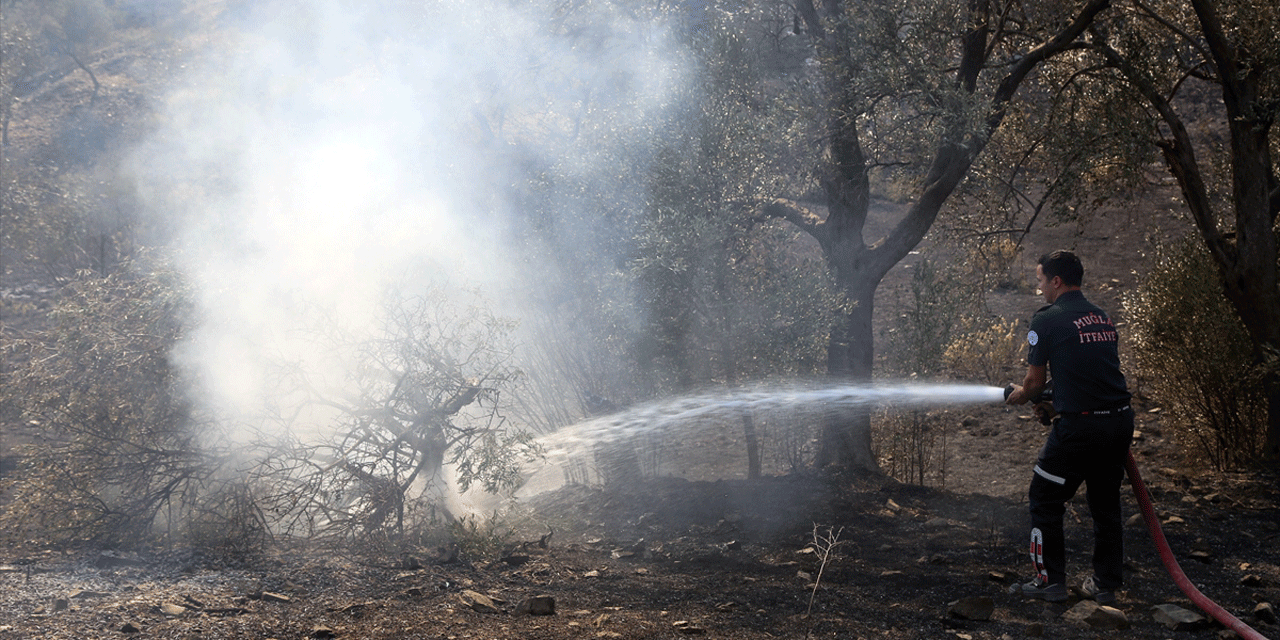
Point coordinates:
[(730, 558), (671, 558)]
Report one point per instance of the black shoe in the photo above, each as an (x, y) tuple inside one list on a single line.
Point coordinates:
[(1092, 591), (1037, 589)]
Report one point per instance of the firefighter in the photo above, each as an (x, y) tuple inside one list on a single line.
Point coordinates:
[(1075, 341)]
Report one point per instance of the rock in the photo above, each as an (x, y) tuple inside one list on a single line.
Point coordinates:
[(478, 602), (1265, 612), (1174, 520), (1176, 618), (1080, 613), (1107, 619), (1035, 630), (171, 609), (1202, 556), (936, 523), (538, 606), (130, 627), (1135, 520), (60, 604), (321, 631), (688, 628), (977, 608), (1251, 580)]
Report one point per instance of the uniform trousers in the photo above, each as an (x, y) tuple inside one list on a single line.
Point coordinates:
[(1088, 448)]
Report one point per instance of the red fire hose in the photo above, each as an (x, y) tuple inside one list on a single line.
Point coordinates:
[(1171, 565)]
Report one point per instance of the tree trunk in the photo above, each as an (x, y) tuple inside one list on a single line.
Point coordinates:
[(846, 437)]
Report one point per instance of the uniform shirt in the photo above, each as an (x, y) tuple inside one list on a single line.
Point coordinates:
[(1078, 343)]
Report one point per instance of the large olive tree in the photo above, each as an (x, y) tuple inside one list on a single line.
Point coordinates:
[(1219, 144), (916, 88)]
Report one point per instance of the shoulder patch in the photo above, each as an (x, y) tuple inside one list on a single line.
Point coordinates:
[(1032, 338)]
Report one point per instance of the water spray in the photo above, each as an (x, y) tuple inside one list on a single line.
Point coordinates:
[(711, 408), (710, 412), (1157, 535)]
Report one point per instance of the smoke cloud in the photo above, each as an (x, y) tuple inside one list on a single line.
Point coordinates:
[(318, 153)]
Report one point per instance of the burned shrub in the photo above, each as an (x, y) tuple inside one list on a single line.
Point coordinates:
[(119, 445), (420, 397)]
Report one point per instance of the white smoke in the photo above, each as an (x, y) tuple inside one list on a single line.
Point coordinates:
[(319, 152)]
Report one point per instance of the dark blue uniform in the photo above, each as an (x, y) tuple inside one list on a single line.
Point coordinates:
[(1090, 440)]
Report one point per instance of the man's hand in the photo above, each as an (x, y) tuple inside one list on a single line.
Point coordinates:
[(1035, 382), (1015, 396), (1044, 412)]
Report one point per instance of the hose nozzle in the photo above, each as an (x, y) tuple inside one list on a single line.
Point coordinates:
[(1046, 416)]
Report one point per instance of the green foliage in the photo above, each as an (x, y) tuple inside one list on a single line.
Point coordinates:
[(1195, 356)]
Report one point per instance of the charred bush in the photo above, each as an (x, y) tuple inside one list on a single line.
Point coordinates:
[(119, 446), (421, 400)]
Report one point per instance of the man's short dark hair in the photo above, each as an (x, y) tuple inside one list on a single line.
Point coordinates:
[(1062, 264)]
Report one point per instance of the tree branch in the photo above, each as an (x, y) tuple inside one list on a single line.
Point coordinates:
[(793, 212), (1063, 41), (1179, 154)]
